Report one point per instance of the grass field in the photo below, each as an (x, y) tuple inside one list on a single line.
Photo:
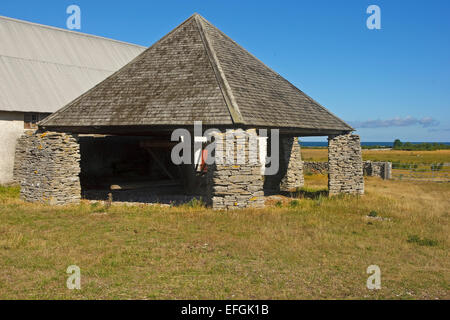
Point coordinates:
[(397, 156), (314, 247)]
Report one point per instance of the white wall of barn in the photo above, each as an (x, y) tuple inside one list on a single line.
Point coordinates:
[(11, 128)]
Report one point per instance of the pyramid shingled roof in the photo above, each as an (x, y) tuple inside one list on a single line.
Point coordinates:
[(196, 73)]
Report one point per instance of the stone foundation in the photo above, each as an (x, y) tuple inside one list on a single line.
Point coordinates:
[(345, 174), (238, 185), (47, 167)]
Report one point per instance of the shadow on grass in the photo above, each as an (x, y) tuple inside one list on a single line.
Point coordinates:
[(307, 193)]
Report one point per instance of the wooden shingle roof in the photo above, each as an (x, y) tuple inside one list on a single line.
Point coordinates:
[(195, 73)]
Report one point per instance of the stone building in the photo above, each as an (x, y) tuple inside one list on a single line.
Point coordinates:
[(118, 134), (43, 68)]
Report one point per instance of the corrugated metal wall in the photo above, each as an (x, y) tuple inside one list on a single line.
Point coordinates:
[(44, 68)]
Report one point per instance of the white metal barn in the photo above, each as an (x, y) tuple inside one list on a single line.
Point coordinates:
[(43, 68)]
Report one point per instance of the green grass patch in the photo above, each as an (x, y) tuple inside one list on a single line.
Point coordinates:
[(422, 242), (196, 203), (279, 204), (373, 214), (9, 192), (294, 204)]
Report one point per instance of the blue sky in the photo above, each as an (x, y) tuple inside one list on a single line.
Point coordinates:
[(389, 83)]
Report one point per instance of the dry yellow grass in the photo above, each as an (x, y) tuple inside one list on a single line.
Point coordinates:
[(312, 248), (439, 156)]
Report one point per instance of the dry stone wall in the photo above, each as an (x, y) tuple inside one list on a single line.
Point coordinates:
[(47, 167), (345, 174), (239, 184)]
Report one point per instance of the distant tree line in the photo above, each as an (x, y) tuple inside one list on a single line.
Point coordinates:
[(375, 147), (398, 145)]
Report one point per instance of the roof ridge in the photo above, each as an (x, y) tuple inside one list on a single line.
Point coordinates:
[(276, 73), (70, 31), (224, 86), (124, 68)]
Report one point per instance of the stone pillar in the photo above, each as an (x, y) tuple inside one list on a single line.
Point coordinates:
[(47, 167), (290, 173), (291, 164), (345, 174), (235, 181), (387, 173)]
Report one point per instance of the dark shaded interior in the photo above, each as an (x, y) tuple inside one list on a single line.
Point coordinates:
[(135, 169)]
